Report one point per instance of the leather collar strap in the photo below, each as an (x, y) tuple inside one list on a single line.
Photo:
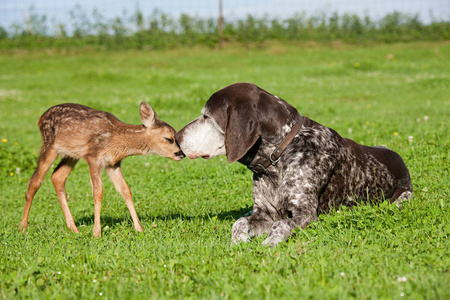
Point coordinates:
[(273, 159)]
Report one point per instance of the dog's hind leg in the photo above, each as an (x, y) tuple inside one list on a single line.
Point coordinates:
[(403, 193)]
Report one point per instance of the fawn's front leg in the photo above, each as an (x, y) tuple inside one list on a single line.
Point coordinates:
[(115, 173), (97, 192)]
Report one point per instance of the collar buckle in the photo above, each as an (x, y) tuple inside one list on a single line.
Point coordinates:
[(273, 161), (275, 156)]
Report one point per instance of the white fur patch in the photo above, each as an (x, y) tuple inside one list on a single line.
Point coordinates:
[(203, 138)]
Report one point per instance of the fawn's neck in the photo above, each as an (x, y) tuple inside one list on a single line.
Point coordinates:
[(131, 140)]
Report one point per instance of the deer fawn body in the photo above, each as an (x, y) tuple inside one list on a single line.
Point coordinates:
[(75, 132)]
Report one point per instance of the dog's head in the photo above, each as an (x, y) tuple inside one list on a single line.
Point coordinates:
[(232, 120)]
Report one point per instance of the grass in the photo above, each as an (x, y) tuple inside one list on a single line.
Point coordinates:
[(383, 95)]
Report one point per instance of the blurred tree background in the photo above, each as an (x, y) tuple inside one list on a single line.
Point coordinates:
[(223, 22)]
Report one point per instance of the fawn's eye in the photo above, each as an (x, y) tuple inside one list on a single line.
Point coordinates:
[(170, 140)]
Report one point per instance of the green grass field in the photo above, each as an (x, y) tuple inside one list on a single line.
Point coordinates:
[(393, 95)]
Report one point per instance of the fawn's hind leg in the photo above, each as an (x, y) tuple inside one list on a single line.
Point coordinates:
[(46, 158), (115, 173), (59, 177), (95, 171)]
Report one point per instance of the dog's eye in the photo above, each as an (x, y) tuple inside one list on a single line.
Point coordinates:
[(205, 117), (170, 140)]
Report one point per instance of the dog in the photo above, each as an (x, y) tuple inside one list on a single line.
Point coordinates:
[(300, 167)]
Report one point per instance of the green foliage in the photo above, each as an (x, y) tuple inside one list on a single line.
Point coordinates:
[(15, 159), (3, 33), (161, 31), (390, 94)]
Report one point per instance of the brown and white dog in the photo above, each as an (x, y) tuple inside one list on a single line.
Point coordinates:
[(300, 167)]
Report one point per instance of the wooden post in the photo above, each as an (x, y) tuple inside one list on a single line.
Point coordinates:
[(220, 25)]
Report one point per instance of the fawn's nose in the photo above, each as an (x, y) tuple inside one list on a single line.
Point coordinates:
[(180, 154), (178, 138)]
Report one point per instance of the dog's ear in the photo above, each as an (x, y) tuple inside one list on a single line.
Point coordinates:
[(242, 131)]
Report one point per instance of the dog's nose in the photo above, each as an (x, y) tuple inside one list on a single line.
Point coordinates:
[(179, 137)]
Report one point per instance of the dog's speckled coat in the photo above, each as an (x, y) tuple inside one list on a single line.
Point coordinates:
[(318, 170)]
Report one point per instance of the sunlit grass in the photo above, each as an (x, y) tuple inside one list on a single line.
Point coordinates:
[(391, 95)]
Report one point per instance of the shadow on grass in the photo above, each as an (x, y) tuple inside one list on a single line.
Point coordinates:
[(231, 215)]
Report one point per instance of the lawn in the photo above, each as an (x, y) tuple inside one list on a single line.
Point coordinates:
[(393, 95)]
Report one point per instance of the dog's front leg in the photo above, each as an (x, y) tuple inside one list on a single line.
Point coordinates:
[(241, 231), (246, 228), (262, 217), (303, 213)]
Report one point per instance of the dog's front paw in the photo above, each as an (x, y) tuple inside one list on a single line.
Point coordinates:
[(241, 238), (280, 232), (241, 231), (273, 241)]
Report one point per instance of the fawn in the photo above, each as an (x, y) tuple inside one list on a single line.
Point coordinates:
[(74, 131)]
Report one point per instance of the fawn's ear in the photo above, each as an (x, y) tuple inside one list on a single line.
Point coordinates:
[(148, 115)]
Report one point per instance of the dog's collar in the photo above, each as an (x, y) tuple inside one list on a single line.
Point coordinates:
[(274, 157)]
